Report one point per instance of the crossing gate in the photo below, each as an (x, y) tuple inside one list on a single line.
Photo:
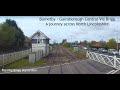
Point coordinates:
[(112, 61)]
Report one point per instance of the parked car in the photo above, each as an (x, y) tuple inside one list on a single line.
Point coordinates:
[(85, 48), (113, 51), (102, 50), (94, 49)]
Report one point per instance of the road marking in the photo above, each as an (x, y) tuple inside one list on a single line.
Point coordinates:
[(110, 72), (59, 64), (41, 67), (115, 71), (76, 62), (56, 65), (69, 63)]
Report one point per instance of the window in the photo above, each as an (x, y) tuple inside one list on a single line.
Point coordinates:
[(40, 41), (34, 40)]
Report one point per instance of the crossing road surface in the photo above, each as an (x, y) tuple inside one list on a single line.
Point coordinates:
[(83, 67)]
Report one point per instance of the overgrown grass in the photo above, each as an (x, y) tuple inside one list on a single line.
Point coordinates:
[(1, 62), (80, 55), (70, 49), (24, 63), (67, 45)]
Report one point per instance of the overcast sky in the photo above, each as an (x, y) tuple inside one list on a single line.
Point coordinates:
[(30, 24)]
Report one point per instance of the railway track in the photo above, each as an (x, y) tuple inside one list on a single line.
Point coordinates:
[(60, 56), (55, 59), (51, 59), (70, 58), (60, 60)]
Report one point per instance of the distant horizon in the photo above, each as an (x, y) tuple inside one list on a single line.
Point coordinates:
[(30, 24)]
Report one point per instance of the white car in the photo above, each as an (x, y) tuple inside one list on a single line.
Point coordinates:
[(113, 51), (85, 48), (102, 50)]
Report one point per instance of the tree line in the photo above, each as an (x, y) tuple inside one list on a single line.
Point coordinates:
[(111, 44), (11, 36), (100, 44)]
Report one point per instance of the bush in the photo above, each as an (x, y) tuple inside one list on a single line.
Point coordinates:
[(66, 45), (80, 55)]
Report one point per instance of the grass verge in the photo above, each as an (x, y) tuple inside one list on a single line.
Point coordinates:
[(24, 63), (81, 55)]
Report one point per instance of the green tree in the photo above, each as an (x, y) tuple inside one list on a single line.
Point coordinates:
[(66, 44), (92, 43), (12, 23), (102, 43), (85, 41), (7, 36), (27, 42), (11, 36), (64, 41), (19, 37), (111, 43)]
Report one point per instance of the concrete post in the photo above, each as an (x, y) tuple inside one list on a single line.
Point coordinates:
[(32, 58)]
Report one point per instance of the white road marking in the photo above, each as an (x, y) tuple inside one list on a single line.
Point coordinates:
[(41, 67), (115, 71), (110, 72), (56, 65), (70, 63), (75, 62)]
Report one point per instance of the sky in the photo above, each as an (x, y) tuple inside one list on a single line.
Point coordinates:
[(72, 32)]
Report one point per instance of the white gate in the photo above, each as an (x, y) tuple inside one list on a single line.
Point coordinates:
[(112, 61)]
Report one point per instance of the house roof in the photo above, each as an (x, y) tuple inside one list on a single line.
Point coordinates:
[(37, 33)]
